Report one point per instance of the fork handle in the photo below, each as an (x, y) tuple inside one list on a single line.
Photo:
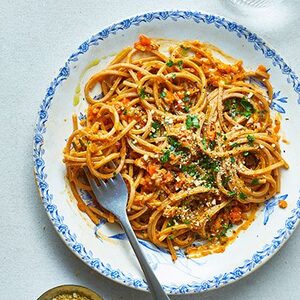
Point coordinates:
[(154, 286)]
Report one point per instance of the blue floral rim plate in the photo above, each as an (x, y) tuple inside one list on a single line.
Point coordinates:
[(105, 247)]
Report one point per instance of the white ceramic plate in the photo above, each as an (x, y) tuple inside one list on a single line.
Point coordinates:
[(110, 253)]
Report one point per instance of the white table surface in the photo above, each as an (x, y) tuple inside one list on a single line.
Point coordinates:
[(35, 39)]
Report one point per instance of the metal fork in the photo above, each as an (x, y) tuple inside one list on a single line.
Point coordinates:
[(112, 195)]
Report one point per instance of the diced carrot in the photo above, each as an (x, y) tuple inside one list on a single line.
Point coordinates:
[(144, 40), (179, 95), (169, 97), (211, 135), (282, 204), (139, 75), (277, 125), (92, 111), (217, 224), (152, 169), (168, 177), (125, 100), (262, 68), (145, 44), (235, 215), (277, 128)]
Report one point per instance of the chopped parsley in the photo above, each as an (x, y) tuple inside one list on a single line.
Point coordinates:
[(184, 50), (233, 145), (163, 94), (241, 107), (204, 143), (156, 128), (186, 97), (186, 109), (173, 75), (209, 180), (190, 169), (173, 141), (210, 238), (180, 64), (171, 223), (208, 163), (223, 232), (242, 196), (250, 139), (225, 180), (142, 93), (212, 145), (246, 153), (192, 122), (165, 157), (248, 108), (231, 193), (255, 181), (169, 63), (232, 159)]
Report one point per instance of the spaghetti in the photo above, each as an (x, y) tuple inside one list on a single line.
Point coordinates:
[(191, 133)]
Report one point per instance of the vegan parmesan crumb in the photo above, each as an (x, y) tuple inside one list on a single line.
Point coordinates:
[(72, 296)]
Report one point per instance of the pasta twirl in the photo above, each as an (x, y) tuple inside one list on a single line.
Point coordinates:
[(191, 133)]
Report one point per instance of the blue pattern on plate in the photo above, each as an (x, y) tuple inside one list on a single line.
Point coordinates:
[(270, 205), (39, 165), (277, 98), (81, 116)]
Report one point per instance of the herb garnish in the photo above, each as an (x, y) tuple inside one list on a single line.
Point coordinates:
[(204, 143), (233, 145), (180, 64), (212, 145), (186, 109), (171, 223), (169, 63), (223, 232), (186, 97), (242, 196), (165, 157), (184, 50), (163, 94), (142, 93), (250, 139), (242, 107), (156, 127), (225, 180), (190, 169), (231, 193), (255, 181), (173, 141), (192, 122)]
